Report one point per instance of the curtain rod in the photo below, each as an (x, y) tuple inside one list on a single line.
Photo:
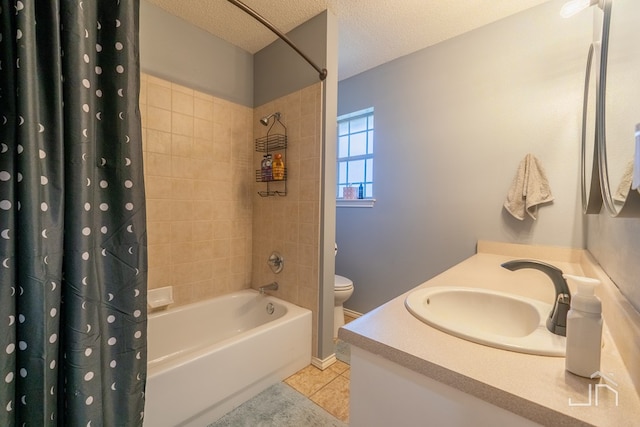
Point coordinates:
[(321, 71)]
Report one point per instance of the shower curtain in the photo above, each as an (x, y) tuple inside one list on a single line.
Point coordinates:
[(72, 215)]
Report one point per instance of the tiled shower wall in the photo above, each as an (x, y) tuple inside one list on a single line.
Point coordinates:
[(290, 224), (198, 171), (209, 232)]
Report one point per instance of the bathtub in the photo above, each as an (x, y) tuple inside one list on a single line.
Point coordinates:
[(206, 358)]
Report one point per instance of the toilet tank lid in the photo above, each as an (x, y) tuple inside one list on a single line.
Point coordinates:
[(342, 282)]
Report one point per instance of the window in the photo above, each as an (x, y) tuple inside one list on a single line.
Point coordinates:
[(355, 153)]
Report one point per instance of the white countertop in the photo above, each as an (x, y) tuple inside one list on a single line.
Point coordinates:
[(535, 387)]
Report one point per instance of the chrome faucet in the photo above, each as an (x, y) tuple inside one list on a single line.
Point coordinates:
[(270, 287), (557, 320)]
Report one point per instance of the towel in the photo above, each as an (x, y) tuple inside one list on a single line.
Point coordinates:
[(528, 190), (625, 183)]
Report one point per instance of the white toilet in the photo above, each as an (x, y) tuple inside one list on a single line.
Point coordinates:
[(343, 288)]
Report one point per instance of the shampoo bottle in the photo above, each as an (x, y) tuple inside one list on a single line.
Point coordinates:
[(263, 168), (278, 167), (268, 171), (584, 327)]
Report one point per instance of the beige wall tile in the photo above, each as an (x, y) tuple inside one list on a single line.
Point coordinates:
[(202, 148), (201, 210), (158, 210), (182, 252), (182, 189), (209, 231), (203, 231), (203, 250), (158, 187), (159, 276), (158, 233), (221, 248), (222, 229), (159, 255), (158, 141), (203, 108), (182, 124), (182, 167), (182, 102), (181, 231), (156, 164), (203, 129), (181, 145), (182, 210), (158, 96), (158, 119), (184, 274)]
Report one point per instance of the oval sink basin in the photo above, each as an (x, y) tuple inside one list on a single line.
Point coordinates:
[(500, 320)]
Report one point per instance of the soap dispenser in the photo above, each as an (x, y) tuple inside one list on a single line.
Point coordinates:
[(584, 327)]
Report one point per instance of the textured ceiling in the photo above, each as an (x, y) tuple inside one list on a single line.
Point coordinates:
[(371, 32)]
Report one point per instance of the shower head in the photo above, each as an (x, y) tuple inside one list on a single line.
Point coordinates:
[(265, 119)]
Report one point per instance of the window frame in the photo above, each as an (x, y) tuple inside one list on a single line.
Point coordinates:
[(368, 155)]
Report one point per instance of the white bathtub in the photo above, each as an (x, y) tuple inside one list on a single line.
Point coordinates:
[(206, 358)]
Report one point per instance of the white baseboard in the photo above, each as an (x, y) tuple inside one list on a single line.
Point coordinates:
[(352, 313), (323, 364)]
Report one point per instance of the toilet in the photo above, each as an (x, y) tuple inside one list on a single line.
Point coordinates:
[(343, 288)]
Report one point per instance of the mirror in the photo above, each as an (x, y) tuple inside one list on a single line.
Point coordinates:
[(591, 194), (618, 105)]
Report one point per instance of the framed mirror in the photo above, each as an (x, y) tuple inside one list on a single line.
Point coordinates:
[(618, 105)]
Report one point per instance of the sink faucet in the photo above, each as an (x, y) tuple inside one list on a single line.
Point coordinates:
[(270, 287), (557, 320)]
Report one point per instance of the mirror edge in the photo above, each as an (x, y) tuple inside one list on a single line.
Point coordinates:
[(591, 202)]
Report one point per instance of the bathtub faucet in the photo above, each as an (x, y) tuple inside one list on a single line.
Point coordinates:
[(270, 287)]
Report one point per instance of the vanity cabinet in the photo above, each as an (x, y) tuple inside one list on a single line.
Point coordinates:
[(404, 372), (384, 393)]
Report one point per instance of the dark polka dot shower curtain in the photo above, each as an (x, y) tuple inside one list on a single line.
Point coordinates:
[(73, 253)]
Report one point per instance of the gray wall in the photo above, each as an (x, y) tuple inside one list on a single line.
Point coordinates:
[(279, 70), (175, 50), (452, 123)]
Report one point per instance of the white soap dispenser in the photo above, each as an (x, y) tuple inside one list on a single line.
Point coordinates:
[(584, 327)]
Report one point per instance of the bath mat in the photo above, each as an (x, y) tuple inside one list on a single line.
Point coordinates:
[(343, 352), (278, 406)]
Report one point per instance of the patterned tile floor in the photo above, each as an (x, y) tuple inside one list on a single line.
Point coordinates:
[(329, 389)]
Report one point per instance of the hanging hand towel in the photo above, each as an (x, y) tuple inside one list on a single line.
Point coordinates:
[(625, 183), (529, 189)]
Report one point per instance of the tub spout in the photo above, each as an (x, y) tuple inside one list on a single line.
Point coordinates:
[(270, 287)]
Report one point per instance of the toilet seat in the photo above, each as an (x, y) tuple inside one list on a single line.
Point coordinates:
[(342, 282)]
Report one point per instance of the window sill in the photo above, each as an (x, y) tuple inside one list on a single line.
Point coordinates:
[(355, 203)]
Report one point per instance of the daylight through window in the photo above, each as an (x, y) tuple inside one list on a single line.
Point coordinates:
[(355, 154)]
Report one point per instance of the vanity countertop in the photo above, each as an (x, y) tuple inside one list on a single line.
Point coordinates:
[(535, 387)]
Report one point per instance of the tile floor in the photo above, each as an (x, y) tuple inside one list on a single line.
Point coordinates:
[(329, 389)]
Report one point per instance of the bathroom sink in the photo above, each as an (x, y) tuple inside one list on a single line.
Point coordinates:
[(496, 319)]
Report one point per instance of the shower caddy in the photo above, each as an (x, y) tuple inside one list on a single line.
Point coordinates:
[(270, 144)]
